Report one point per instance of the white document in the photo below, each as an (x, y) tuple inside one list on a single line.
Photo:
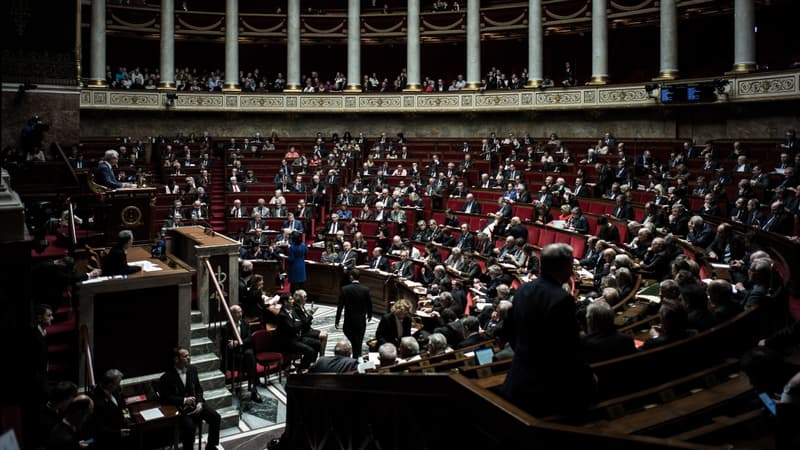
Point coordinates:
[(147, 266), (152, 413)]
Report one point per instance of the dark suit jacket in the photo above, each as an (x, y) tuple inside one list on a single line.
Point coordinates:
[(404, 269), (381, 263), (357, 304), (104, 176), (600, 346), (609, 234), (335, 364), (547, 373), (107, 420), (472, 339), (472, 207), (116, 263), (387, 330), (172, 391)]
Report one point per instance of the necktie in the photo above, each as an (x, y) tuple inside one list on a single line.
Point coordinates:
[(235, 188)]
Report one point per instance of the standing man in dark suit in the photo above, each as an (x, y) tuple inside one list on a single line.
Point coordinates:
[(357, 305), (104, 173), (180, 387), (548, 374)]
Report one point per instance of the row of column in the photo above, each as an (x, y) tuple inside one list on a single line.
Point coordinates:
[(744, 43)]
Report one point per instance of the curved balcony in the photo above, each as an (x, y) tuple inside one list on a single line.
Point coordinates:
[(742, 88)]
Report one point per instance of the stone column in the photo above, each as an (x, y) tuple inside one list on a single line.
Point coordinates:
[(231, 46), (78, 33), (98, 42), (293, 47), (167, 45), (744, 37), (599, 42), (669, 41), (535, 75), (473, 45), (412, 46), (353, 46)]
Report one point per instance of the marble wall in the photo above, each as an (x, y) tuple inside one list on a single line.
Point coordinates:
[(58, 107)]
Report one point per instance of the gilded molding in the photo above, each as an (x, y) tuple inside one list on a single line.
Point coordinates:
[(625, 95)]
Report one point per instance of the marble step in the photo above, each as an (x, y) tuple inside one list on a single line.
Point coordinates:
[(206, 362), (230, 418), (218, 398), (198, 330), (202, 345), (197, 316), (212, 380)]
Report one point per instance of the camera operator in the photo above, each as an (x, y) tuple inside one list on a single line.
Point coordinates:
[(31, 139)]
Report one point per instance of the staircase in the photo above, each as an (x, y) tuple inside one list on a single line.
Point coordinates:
[(62, 345), (217, 196), (212, 379)]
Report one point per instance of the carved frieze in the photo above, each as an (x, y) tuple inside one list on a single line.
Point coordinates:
[(768, 86)]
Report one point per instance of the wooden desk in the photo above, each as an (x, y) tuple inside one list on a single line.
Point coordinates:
[(140, 427), (192, 245), (382, 289), (323, 282), (115, 310)]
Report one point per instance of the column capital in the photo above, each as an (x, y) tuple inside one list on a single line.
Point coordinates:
[(471, 87), (415, 87), (293, 88), (167, 86), (231, 87), (353, 88)]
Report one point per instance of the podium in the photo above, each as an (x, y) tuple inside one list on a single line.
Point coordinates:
[(135, 321), (193, 245), (129, 209)]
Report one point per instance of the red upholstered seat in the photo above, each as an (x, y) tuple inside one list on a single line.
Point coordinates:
[(533, 234), (267, 359), (546, 237)]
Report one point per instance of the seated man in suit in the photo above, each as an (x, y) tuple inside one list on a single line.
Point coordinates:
[(342, 360), (348, 256), (471, 206), (293, 224), (104, 173), (379, 261), (405, 267), (240, 356), (180, 386), (116, 261), (234, 186)]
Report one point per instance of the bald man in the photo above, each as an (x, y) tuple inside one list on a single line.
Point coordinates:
[(342, 360)]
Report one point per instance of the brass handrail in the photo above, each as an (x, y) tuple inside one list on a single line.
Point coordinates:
[(87, 352), (224, 303)]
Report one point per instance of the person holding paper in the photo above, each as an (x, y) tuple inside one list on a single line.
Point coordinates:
[(180, 386)]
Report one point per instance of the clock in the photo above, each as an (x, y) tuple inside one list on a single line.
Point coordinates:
[(131, 215)]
